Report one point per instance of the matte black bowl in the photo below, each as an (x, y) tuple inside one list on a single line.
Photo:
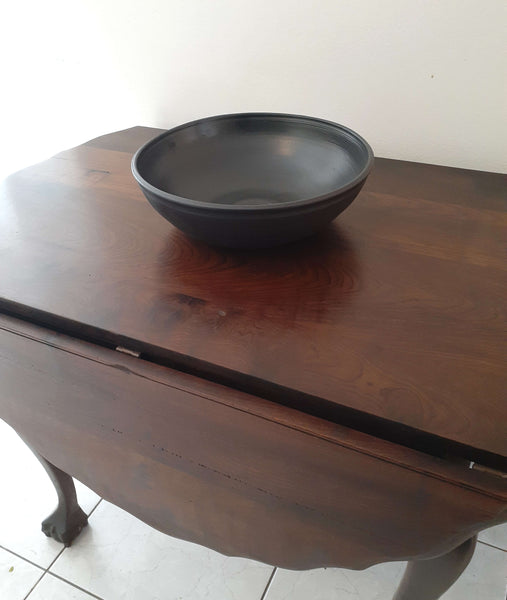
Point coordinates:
[(255, 179)]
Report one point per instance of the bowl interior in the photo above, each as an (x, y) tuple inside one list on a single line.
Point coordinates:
[(251, 160)]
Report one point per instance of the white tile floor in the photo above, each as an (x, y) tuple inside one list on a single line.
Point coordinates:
[(119, 558)]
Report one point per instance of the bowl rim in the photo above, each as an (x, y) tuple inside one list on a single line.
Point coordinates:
[(255, 208)]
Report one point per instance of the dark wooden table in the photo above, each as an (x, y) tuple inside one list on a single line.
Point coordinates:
[(335, 402)]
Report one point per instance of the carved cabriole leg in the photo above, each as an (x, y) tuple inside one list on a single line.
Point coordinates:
[(429, 579), (68, 519)]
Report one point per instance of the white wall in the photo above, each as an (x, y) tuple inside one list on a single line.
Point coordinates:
[(422, 80)]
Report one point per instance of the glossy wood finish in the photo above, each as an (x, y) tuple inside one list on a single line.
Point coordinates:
[(231, 471), (315, 405), (391, 322)]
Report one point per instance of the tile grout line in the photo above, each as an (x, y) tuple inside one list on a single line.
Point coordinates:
[(35, 585), (268, 584), (46, 571), (91, 594), (94, 508), (22, 557), (43, 574), (492, 546)]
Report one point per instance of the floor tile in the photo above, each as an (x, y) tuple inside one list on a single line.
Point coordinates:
[(496, 536), (17, 577), (28, 499), (483, 579), (376, 583), (52, 588), (120, 558)]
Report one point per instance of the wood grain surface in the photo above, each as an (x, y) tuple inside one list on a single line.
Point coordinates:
[(392, 320), (231, 471)]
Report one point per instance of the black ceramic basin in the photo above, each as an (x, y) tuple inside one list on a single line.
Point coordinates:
[(254, 179)]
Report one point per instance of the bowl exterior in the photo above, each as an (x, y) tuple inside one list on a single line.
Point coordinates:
[(259, 229)]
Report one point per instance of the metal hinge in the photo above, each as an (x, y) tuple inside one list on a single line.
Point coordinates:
[(128, 351), (475, 467)]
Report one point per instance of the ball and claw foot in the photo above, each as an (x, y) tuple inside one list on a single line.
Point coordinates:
[(67, 521), (64, 528)]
